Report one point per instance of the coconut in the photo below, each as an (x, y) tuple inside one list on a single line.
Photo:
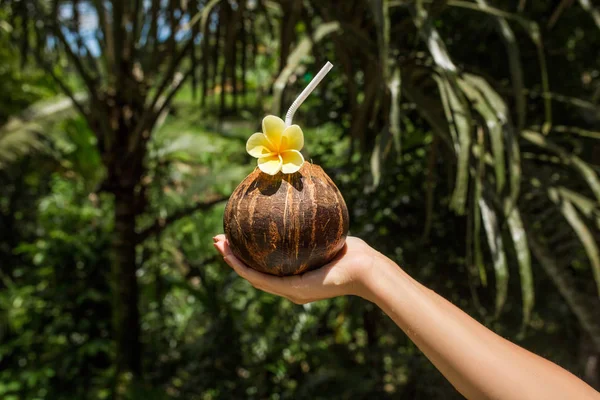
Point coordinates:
[(286, 224), (287, 217)]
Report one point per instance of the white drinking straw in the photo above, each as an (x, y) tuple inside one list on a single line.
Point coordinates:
[(306, 92)]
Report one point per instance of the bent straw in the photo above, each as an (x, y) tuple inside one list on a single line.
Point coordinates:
[(306, 92)]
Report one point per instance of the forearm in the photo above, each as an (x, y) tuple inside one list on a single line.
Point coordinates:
[(479, 363)]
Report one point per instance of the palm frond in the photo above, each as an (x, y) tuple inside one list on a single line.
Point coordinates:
[(31, 131), (581, 229), (519, 238), (496, 245), (295, 58), (585, 170)]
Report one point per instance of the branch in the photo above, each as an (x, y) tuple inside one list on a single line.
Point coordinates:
[(105, 38), (89, 81), (151, 112), (88, 55), (118, 9), (75, 32), (134, 31), (200, 17), (63, 86), (153, 31), (151, 115), (161, 224), (166, 100)]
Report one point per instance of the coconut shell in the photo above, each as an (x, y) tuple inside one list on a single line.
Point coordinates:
[(286, 224)]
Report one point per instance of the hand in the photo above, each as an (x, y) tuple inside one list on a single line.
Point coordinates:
[(345, 275)]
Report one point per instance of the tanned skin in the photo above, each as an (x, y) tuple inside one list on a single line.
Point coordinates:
[(477, 362)]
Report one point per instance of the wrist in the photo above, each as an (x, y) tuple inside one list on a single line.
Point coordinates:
[(377, 271)]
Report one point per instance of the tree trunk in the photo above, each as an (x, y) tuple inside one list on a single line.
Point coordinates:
[(126, 317), (290, 9)]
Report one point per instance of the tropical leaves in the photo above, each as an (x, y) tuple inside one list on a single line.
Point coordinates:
[(469, 100), (473, 117), (15, 144), (484, 123), (29, 132), (581, 229), (492, 114)]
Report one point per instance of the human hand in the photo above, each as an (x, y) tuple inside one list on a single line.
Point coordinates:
[(344, 275)]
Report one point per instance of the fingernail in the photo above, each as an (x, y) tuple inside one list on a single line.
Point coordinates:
[(215, 239)]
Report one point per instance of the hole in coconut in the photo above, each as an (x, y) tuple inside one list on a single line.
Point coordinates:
[(268, 185)]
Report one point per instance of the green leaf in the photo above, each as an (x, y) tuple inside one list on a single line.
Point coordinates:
[(583, 233), (455, 105), (488, 10), (576, 131), (394, 86), (295, 59), (594, 12), (496, 245), (514, 165), (379, 154), (432, 39), (533, 30), (514, 63), (586, 206), (16, 144), (458, 119), (477, 190), (475, 88), (501, 144), (536, 38), (587, 172), (375, 163), (30, 130), (519, 238)]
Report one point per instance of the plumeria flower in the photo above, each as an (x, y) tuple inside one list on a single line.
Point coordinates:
[(277, 147)]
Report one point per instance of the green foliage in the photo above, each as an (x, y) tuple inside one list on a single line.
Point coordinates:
[(19, 86), (463, 94), (437, 124), (56, 340)]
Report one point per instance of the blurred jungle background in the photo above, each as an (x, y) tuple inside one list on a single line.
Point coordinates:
[(463, 134)]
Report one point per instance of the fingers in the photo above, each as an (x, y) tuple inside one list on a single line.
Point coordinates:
[(293, 288), (259, 280)]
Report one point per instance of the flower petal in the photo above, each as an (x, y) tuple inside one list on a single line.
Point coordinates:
[(270, 165), (273, 128), (292, 138), (259, 146), (292, 160)]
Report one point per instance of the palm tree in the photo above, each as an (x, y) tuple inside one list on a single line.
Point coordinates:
[(128, 59)]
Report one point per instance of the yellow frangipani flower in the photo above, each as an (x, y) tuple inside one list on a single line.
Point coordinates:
[(277, 147)]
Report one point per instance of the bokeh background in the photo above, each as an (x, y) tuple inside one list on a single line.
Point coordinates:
[(463, 134)]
